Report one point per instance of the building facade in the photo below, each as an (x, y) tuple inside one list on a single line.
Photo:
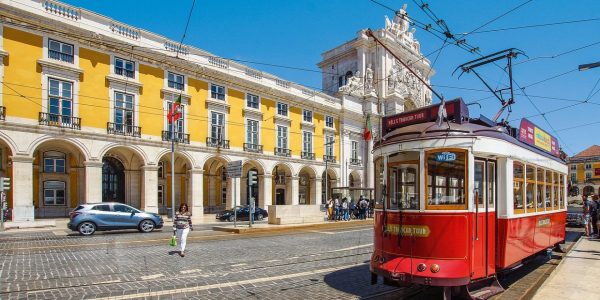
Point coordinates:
[(584, 172), (84, 102)]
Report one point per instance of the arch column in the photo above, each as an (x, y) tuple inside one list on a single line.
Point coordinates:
[(315, 190), (22, 185), (150, 189), (93, 181), (196, 192), (295, 190), (266, 191)]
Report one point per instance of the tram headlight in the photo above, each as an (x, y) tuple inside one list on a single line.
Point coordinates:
[(421, 267), (435, 268)]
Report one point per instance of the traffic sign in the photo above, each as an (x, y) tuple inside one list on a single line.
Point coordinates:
[(234, 169)]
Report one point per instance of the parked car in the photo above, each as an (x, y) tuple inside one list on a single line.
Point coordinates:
[(575, 215), (242, 214), (88, 218)]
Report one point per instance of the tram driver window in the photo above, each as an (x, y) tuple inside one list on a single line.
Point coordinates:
[(446, 173), (518, 189), (403, 172)]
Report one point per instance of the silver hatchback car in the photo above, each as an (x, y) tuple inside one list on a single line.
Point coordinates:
[(87, 218)]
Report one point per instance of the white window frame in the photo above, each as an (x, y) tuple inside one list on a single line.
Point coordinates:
[(588, 175), (125, 61), (161, 169), (61, 96), (247, 122), (61, 43), (280, 106), (161, 194), (54, 156), (278, 134), (573, 177), (175, 75), (327, 119), (307, 116), (211, 95), (573, 167), (354, 150), (167, 100), (588, 166), (133, 111), (210, 127), (304, 141), (248, 95), (329, 149), (64, 190)]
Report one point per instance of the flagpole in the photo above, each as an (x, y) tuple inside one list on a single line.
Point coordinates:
[(172, 172)]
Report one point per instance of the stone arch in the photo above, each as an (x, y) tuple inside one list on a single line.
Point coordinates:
[(216, 183), (329, 180), (184, 154), (58, 176), (133, 159), (46, 138), (10, 143), (247, 191), (355, 179), (307, 185), (182, 189), (119, 147), (282, 183)]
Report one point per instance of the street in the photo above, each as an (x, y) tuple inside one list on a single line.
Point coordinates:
[(300, 264)]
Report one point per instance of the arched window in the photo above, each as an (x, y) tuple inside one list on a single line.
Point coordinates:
[(54, 162)]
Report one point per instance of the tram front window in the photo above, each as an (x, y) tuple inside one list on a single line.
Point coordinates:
[(446, 173), (404, 186)]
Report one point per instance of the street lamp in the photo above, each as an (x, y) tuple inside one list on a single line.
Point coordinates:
[(326, 173), (589, 66)]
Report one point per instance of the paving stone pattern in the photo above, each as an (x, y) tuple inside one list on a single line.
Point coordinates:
[(45, 265)]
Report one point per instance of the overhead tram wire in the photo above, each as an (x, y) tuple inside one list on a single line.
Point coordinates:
[(536, 25), (557, 55)]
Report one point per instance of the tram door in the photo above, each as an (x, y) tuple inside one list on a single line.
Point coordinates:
[(484, 220)]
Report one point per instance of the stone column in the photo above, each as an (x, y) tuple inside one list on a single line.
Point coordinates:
[(93, 181), (231, 182), (149, 195), (295, 190), (196, 191), (369, 167), (266, 196), (22, 189), (316, 190)]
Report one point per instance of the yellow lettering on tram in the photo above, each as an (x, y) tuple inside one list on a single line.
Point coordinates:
[(408, 230), (543, 222), (542, 139)]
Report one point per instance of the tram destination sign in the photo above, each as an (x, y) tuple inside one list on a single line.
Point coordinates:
[(456, 110), (531, 134)]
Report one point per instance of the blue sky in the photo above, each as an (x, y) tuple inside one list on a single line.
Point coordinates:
[(295, 33)]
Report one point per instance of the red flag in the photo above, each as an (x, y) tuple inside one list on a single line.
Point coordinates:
[(368, 130), (175, 112)]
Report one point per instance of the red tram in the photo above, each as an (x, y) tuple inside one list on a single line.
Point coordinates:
[(463, 199)]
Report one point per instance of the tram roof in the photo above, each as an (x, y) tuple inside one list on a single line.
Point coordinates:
[(421, 124)]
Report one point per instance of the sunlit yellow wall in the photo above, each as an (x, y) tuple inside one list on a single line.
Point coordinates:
[(94, 106), (295, 134), (22, 74), (205, 190), (580, 173), (197, 114), (318, 137), (151, 101), (235, 122), (267, 131)]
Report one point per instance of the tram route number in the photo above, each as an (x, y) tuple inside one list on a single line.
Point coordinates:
[(408, 230)]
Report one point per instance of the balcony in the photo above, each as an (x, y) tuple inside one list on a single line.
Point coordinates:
[(307, 155), (59, 121), (175, 85), (122, 129), (283, 152), (179, 137), (354, 161), (53, 54), (329, 158), (124, 72), (2, 113), (255, 148), (217, 143)]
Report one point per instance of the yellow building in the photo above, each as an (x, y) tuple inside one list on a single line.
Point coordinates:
[(584, 172)]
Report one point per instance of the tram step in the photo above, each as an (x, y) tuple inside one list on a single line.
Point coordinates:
[(484, 289)]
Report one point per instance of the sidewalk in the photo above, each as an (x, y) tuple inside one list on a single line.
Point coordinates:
[(577, 275), (243, 227)]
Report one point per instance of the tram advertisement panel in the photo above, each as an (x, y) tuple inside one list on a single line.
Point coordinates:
[(535, 136)]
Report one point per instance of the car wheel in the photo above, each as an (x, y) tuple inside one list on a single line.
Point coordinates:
[(259, 217), (231, 218), (86, 228), (146, 226)]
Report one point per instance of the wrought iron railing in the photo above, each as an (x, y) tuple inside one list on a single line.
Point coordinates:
[(217, 143), (53, 54), (282, 152), (179, 137), (123, 129), (253, 148), (2, 113), (329, 158), (307, 155), (59, 121)]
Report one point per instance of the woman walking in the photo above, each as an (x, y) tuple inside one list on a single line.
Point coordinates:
[(182, 226)]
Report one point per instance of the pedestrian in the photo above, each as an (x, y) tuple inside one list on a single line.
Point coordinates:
[(330, 209), (595, 221), (182, 226), (593, 214), (362, 204), (345, 210), (587, 220), (336, 208)]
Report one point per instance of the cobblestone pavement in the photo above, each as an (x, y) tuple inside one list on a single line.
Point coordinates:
[(323, 264)]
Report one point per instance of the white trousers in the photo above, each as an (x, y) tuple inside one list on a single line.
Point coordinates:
[(182, 238)]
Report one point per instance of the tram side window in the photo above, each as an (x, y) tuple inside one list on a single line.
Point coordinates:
[(561, 189), (518, 182), (555, 195), (404, 186), (491, 186), (478, 183), (540, 189), (530, 188), (548, 199), (446, 173)]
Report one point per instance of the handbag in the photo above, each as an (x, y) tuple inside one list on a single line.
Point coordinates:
[(173, 241)]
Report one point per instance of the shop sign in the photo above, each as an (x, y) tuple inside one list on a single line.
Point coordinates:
[(456, 110)]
